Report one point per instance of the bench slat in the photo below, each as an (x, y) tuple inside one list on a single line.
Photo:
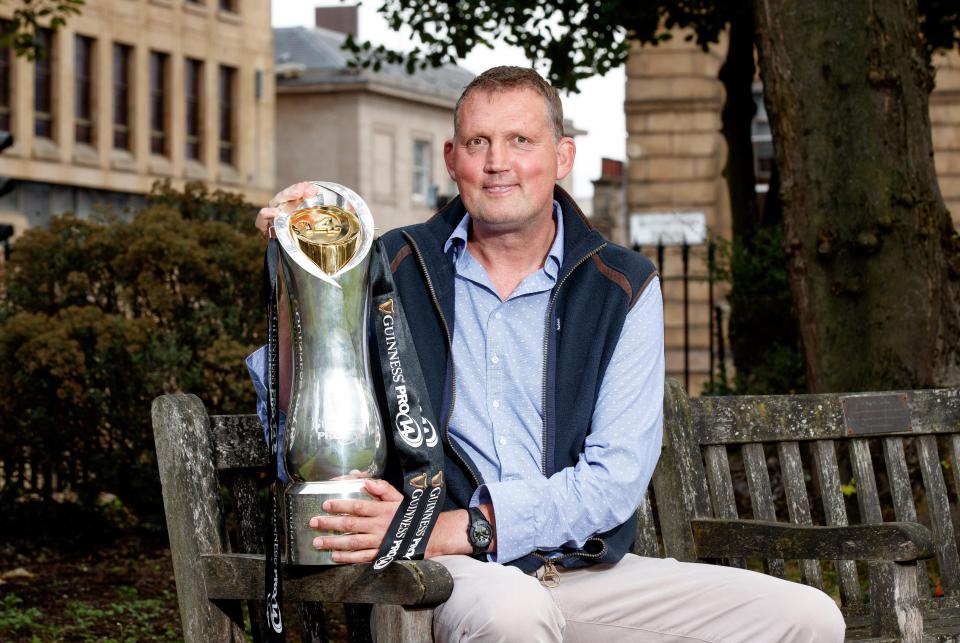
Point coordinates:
[(938, 505), (721, 488), (825, 460), (754, 418), (902, 493), (955, 462), (240, 576), (889, 541), (191, 501), (881, 574), (761, 499), (238, 442), (798, 505), (645, 543)]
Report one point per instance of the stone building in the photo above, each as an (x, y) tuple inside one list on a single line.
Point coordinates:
[(381, 133), (676, 154), (135, 91)]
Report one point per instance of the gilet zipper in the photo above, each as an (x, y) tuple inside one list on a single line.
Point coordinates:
[(453, 369), (546, 344)]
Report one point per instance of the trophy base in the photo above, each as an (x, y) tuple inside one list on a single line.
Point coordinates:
[(303, 501)]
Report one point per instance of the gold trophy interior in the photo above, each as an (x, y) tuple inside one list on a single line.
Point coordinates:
[(328, 234)]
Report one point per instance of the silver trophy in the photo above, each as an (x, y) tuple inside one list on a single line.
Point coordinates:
[(334, 436)]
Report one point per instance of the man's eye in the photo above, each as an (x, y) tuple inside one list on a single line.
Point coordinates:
[(522, 139), (475, 141)]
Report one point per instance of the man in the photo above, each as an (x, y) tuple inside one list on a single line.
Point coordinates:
[(542, 349)]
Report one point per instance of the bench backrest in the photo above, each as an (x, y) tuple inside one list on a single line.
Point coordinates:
[(828, 459)]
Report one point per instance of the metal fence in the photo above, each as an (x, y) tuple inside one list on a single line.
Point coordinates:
[(682, 279)]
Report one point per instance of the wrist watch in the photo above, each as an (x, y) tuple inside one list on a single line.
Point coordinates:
[(479, 531)]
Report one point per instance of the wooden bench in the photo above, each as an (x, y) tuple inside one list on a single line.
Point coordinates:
[(211, 470), (780, 462)]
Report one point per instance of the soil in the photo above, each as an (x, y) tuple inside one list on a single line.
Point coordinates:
[(121, 591), (74, 574)]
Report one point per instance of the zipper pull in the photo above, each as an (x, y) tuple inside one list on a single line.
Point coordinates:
[(551, 577)]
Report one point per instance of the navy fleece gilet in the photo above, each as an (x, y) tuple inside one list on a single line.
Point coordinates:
[(597, 285)]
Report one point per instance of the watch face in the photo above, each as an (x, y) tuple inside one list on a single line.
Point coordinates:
[(480, 533)]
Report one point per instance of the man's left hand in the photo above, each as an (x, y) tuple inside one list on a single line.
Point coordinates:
[(362, 523)]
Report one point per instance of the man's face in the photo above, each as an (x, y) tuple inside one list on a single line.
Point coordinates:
[(505, 159)]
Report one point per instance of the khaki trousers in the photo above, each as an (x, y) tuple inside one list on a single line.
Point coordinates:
[(637, 599)]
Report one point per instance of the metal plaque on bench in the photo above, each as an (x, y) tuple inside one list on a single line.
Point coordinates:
[(334, 436), (872, 413)]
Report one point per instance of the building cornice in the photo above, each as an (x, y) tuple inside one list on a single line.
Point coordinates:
[(366, 85)]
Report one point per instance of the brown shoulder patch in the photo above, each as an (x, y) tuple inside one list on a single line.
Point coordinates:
[(642, 288), (402, 254), (614, 275)]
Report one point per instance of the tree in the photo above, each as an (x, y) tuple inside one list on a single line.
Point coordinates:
[(874, 256), (19, 31), (847, 263), (99, 316)]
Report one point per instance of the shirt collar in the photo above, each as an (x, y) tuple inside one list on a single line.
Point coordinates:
[(458, 242)]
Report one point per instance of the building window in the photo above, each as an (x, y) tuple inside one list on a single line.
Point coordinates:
[(83, 90), (122, 55), (192, 76), (227, 116), (158, 102), (43, 86), (5, 84), (762, 140), (421, 169)]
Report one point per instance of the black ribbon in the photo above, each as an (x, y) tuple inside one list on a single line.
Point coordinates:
[(415, 436), (273, 578)]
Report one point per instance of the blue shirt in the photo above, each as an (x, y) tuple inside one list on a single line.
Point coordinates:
[(498, 353), (497, 419)]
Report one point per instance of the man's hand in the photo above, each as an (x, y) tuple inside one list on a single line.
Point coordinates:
[(363, 523), (294, 193)]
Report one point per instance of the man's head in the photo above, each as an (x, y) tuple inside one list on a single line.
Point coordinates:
[(508, 148), (498, 79)]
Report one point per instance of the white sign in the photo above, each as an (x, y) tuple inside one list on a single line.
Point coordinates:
[(673, 229)]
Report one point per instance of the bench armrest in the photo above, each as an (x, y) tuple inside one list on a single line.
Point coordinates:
[(240, 576), (889, 541)]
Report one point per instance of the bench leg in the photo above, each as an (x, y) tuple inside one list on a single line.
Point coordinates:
[(906, 603), (400, 624)]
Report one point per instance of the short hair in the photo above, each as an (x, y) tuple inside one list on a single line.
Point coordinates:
[(498, 79)]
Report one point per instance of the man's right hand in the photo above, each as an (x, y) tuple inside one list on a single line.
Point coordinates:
[(292, 194)]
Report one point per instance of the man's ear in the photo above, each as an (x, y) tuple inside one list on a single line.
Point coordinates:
[(566, 152), (448, 159)]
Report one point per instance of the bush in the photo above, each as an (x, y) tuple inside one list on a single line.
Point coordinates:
[(99, 316)]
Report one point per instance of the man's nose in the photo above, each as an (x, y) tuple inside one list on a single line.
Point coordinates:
[(497, 159)]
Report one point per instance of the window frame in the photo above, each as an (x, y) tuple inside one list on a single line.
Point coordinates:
[(158, 90), (121, 94), (226, 113), (84, 89), (43, 86)]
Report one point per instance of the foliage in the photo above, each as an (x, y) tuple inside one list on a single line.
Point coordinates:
[(99, 316), (576, 39), (19, 32), (768, 357)]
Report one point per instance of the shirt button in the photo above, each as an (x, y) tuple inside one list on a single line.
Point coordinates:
[(503, 441), (497, 316), (496, 404), (495, 359)]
